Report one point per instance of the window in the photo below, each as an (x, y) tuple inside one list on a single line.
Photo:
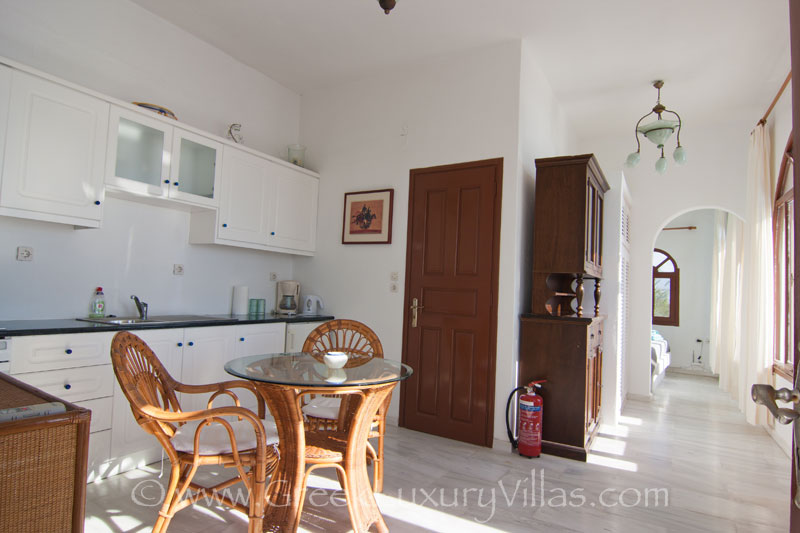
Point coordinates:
[(666, 279), (783, 228)]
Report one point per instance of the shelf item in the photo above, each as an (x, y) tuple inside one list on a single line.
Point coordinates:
[(163, 111)]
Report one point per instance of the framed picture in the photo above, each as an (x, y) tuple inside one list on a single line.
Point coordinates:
[(368, 217)]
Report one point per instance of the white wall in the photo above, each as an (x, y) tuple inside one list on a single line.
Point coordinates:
[(462, 108), (713, 178), (693, 252), (119, 49)]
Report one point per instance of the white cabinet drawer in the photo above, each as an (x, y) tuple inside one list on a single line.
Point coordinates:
[(101, 409), (74, 384), (50, 352)]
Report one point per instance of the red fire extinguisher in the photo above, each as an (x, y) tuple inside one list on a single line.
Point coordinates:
[(531, 410)]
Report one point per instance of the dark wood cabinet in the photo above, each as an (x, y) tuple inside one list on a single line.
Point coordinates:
[(568, 353), (560, 340), (568, 234)]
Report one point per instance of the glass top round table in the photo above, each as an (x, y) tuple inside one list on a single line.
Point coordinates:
[(302, 369)]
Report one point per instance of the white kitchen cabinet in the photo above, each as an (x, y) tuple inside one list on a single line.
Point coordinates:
[(247, 198), (294, 216), (150, 158), (54, 152), (296, 334), (264, 204), (127, 436), (75, 367), (205, 352), (256, 339)]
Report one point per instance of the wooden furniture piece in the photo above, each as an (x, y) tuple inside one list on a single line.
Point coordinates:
[(558, 342), (43, 475), (568, 353), (195, 438), (568, 234), (361, 344), (283, 380)]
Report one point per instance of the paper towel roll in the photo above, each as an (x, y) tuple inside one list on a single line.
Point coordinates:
[(240, 300)]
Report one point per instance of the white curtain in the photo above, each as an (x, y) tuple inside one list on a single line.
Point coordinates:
[(758, 319), (742, 321), (725, 355)]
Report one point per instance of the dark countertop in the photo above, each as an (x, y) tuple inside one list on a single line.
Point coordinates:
[(19, 328)]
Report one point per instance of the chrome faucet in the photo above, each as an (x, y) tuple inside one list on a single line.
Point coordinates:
[(140, 306)]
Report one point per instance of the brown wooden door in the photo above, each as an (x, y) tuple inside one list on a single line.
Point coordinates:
[(452, 271), (794, 27)]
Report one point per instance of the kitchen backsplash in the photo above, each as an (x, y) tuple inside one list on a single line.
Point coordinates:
[(132, 253)]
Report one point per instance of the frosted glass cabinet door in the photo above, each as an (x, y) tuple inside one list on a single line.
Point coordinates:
[(138, 154), (194, 176), (55, 147)]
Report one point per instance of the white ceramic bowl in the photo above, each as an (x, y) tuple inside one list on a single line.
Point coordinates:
[(335, 359)]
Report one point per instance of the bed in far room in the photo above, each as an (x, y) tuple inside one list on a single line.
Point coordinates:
[(659, 357)]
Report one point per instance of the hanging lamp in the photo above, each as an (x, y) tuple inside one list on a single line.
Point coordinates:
[(658, 132)]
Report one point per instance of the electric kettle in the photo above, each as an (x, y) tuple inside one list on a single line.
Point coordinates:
[(310, 303)]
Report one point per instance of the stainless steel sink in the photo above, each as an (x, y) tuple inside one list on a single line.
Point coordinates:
[(167, 319)]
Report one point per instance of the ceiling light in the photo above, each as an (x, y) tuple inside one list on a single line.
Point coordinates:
[(658, 132), (387, 5)]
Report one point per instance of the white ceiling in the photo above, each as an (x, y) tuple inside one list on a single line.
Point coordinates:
[(716, 56)]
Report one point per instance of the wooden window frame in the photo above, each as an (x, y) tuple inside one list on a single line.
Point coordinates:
[(674, 292), (783, 363)]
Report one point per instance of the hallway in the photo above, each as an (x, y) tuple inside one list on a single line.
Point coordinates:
[(686, 461)]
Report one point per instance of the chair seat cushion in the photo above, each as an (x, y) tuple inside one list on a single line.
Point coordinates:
[(323, 407), (214, 439)]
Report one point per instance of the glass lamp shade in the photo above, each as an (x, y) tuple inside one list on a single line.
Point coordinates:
[(679, 155), (659, 131), (661, 165), (633, 160)]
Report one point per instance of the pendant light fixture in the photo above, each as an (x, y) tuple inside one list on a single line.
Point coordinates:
[(658, 132), (387, 5)]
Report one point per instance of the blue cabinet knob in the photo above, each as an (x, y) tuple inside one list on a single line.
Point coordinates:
[(180, 344), (166, 181), (272, 233), (97, 202), (241, 339), (190, 343), (68, 351), (176, 183), (224, 225), (67, 386)]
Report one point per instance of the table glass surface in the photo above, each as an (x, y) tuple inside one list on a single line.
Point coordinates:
[(304, 370)]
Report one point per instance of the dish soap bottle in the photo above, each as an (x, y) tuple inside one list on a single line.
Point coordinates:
[(97, 308)]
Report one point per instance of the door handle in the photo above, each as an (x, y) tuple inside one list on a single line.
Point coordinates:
[(766, 395), (415, 307)]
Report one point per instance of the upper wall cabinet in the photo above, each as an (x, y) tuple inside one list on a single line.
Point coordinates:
[(54, 151), (264, 204), (150, 158)]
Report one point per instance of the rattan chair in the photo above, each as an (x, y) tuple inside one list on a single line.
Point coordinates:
[(322, 412), (228, 436)]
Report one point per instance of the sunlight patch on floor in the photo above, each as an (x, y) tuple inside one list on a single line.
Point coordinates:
[(630, 420), (610, 462), (606, 445), (428, 518)]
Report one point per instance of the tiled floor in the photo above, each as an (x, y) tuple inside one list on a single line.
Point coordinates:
[(686, 461)]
